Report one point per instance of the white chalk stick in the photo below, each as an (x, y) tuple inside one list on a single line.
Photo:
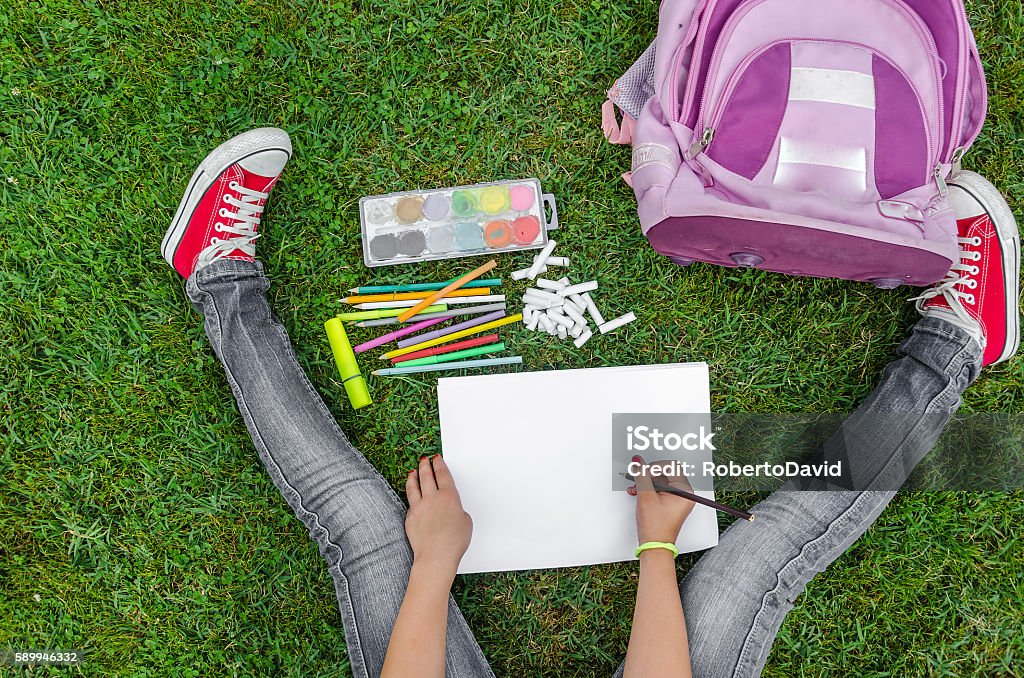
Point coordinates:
[(579, 308), (579, 288), (565, 279), (559, 318), (534, 322), (534, 293), (557, 261), (576, 331), (588, 301), (583, 338), (547, 323), (562, 333), (546, 284), (577, 317), (527, 315), (538, 261), (618, 322)]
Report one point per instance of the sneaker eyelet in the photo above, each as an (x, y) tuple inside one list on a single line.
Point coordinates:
[(972, 283), (219, 227), (233, 186), (214, 241), (969, 299), (223, 212), (977, 242), (976, 257), (975, 270)]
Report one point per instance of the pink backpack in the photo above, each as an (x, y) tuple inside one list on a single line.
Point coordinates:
[(809, 137)]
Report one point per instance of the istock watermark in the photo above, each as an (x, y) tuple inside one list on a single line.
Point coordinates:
[(813, 451)]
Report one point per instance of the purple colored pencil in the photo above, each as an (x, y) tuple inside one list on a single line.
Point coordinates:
[(454, 328), (390, 336)]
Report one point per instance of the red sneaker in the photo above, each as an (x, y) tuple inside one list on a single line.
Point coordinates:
[(981, 292), (219, 215)]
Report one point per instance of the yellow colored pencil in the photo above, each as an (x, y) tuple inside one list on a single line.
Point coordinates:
[(486, 327), (404, 296), (451, 287)]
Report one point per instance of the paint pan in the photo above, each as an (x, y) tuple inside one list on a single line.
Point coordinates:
[(444, 223)]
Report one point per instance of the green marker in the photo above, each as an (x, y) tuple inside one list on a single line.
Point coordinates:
[(351, 378), (457, 365), (387, 312), (445, 357)]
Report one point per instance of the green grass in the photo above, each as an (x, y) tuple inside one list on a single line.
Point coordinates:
[(135, 518)]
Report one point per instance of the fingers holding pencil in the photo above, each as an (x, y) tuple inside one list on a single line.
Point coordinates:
[(659, 515)]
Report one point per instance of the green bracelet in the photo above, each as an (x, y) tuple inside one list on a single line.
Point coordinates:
[(656, 545)]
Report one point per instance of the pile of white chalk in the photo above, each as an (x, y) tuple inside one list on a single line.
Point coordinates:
[(560, 307)]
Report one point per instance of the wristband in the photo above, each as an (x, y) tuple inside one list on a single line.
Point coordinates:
[(656, 545)]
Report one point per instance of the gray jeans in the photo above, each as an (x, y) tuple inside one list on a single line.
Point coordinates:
[(732, 612)]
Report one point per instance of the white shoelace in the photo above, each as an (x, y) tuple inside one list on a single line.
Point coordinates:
[(957, 283), (241, 231)]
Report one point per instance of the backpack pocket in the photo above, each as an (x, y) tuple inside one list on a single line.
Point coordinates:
[(816, 116)]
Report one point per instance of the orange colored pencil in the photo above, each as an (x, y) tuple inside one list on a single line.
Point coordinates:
[(407, 296), (440, 294)]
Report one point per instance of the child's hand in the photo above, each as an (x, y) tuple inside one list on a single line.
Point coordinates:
[(438, 529), (659, 515)]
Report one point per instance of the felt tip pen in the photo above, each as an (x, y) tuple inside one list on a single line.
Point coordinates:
[(458, 365), (458, 355), (384, 313), (422, 287), (479, 329)]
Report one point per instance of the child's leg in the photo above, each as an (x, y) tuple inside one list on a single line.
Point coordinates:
[(738, 593), (349, 509)]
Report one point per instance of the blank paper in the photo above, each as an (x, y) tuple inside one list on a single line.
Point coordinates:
[(531, 454)]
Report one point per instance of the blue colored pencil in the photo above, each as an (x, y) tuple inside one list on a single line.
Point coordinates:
[(421, 287), (457, 365)]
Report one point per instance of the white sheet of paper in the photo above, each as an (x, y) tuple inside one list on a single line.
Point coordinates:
[(531, 453)]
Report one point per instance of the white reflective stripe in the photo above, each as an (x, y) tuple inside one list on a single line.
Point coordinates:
[(850, 88), (837, 183), (802, 152), (649, 154)]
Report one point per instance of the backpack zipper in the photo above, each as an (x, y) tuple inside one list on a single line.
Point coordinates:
[(698, 146), (940, 180)]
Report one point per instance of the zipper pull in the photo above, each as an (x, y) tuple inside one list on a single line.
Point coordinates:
[(698, 146), (956, 162), (940, 180)]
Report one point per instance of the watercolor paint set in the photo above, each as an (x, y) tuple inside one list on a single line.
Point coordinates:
[(445, 223)]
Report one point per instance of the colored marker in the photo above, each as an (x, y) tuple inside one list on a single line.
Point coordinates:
[(384, 313), (447, 348), (348, 368), (451, 287), (391, 336), (465, 310), (464, 364), (422, 287), (465, 324), (452, 337), (405, 296), (450, 301), (458, 355)]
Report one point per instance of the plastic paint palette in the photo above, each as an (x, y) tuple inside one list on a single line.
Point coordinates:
[(445, 223)]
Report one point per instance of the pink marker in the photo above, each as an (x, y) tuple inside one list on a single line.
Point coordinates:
[(390, 336)]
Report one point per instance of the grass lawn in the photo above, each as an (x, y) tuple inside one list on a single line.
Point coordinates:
[(136, 520)]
